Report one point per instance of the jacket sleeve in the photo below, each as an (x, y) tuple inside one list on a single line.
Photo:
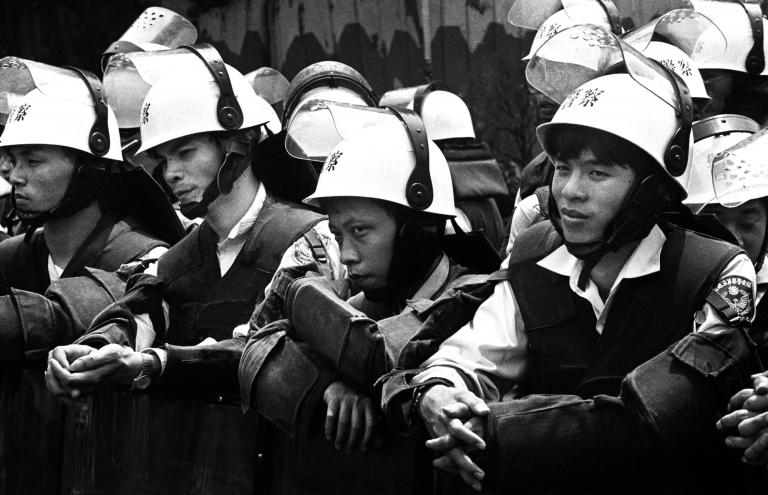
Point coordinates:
[(116, 324), (662, 423), (283, 378), (31, 324), (206, 372)]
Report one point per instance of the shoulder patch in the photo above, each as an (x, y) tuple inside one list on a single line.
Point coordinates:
[(737, 292)]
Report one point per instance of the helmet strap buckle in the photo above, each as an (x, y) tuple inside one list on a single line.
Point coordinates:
[(98, 138), (418, 189), (755, 62), (677, 151)]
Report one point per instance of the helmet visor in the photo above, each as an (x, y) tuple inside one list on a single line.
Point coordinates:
[(157, 26), (318, 126), (690, 31), (152, 66), (740, 173), (268, 83), (584, 52), (532, 14), (643, 11), (19, 76)]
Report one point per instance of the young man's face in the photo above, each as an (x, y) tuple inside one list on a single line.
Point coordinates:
[(40, 175), (747, 222), (365, 231), (190, 164), (589, 194)]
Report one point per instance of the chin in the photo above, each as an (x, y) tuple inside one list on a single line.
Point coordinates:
[(580, 238)]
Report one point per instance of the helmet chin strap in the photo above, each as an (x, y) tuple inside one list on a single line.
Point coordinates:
[(81, 192), (238, 151), (416, 250), (638, 213)]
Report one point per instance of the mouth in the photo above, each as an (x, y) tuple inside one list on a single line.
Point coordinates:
[(180, 194), (573, 214), (356, 277)]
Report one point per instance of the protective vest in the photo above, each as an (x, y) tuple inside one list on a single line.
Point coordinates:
[(646, 316), (205, 304), (112, 243)]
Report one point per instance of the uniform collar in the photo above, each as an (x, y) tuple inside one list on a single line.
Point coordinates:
[(245, 224), (645, 259)]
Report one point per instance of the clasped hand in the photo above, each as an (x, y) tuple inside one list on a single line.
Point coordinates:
[(455, 419), (747, 423), (75, 371)]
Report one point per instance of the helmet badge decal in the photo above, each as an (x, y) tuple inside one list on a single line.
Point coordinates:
[(145, 113), (678, 66), (333, 160), (583, 97), (21, 112)]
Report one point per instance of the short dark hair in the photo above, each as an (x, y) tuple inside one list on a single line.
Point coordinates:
[(569, 142)]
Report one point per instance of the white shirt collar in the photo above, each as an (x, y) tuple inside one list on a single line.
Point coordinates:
[(245, 224), (644, 260)]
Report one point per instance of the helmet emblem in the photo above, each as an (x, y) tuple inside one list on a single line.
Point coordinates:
[(332, 161), (145, 113), (679, 66), (583, 97), (21, 112)]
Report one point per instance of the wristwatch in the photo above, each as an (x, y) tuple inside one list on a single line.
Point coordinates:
[(144, 378)]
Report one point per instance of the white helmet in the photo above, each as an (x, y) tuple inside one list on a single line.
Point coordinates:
[(444, 113), (617, 104), (327, 80), (156, 28), (681, 64), (446, 116), (191, 102), (65, 108), (377, 162), (736, 20), (128, 77), (646, 105), (714, 135)]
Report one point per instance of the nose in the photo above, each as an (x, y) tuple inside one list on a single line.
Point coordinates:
[(573, 187), (17, 176), (172, 171), (348, 253)]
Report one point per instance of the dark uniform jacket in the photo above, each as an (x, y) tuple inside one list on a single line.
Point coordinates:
[(34, 317), (635, 405), (316, 337), (202, 303)]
